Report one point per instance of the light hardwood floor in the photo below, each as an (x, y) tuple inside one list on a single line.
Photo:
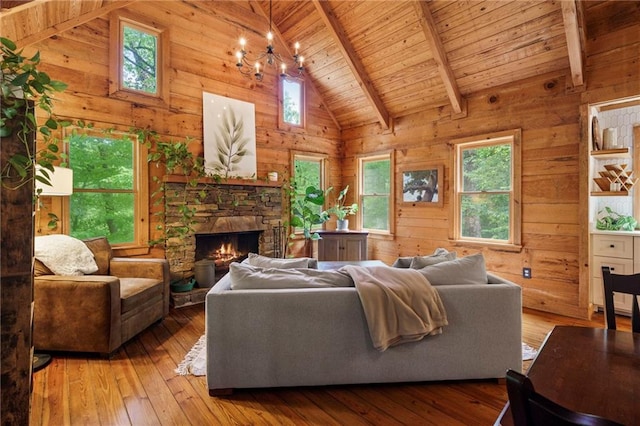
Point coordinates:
[(138, 386)]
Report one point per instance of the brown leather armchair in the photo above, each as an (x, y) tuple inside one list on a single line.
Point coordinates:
[(99, 312)]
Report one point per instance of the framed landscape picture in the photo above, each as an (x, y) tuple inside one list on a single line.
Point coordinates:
[(421, 187)]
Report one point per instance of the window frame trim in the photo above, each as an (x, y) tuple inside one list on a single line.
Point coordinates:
[(514, 137), (140, 245), (116, 88), (375, 156)]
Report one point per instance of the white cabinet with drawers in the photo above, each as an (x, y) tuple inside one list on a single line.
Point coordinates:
[(621, 253)]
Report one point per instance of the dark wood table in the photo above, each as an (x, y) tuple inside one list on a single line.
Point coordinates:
[(590, 370)]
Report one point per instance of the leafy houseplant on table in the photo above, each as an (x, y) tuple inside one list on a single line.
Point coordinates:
[(615, 222), (306, 212), (341, 210)]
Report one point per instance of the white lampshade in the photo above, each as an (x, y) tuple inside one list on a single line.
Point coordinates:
[(61, 182)]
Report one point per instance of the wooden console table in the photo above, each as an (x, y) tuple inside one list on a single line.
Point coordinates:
[(342, 245), (589, 370)]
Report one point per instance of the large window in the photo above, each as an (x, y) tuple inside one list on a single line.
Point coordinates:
[(308, 170), (137, 61), (487, 189), (292, 111), (376, 193), (109, 187)]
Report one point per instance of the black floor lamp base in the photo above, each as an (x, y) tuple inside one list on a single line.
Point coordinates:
[(40, 361)]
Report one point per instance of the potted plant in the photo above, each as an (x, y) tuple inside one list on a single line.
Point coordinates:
[(614, 221), (306, 212), (341, 210)]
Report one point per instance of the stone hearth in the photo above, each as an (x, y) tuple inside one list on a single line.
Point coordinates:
[(231, 206)]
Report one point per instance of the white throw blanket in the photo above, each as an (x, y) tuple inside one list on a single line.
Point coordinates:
[(64, 255), (400, 304)]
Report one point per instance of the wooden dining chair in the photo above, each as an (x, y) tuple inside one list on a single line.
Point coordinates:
[(529, 408), (629, 284)]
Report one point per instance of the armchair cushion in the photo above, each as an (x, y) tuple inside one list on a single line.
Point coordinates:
[(137, 291), (102, 253)]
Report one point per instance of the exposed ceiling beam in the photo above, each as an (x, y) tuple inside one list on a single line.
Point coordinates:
[(278, 36), (107, 6), (574, 44), (439, 55), (351, 57)]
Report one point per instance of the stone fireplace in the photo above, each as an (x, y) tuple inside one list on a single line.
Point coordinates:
[(244, 216)]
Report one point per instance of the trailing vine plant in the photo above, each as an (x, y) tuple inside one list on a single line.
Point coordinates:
[(24, 89), (178, 160)]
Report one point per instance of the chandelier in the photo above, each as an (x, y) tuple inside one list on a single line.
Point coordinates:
[(253, 67)]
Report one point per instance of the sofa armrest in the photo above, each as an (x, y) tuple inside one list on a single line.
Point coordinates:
[(77, 313), (135, 267)]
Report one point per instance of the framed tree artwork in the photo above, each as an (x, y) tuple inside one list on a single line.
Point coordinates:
[(229, 128), (421, 186)]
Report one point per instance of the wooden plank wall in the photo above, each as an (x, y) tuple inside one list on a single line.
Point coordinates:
[(554, 175), (202, 58)]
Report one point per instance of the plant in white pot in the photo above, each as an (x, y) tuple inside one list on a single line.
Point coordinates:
[(341, 210)]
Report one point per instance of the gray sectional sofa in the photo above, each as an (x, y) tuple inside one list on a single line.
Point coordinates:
[(259, 338)]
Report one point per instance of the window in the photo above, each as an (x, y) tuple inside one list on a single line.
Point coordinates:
[(376, 193), (292, 111), (308, 170), (109, 187), (137, 62), (487, 189)]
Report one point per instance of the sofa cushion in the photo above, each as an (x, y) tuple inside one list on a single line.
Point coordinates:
[(466, 270), (270, 262), (102, 253), (245, 277), (135, 292), (64, 255), (405, 261), (419, 262)]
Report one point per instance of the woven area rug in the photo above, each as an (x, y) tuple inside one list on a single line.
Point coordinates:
[(195, 363)]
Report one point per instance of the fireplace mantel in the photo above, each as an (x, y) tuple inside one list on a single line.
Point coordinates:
[(212, 181), (231, 205)]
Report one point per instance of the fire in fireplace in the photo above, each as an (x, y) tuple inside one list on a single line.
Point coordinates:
[(224, 248)]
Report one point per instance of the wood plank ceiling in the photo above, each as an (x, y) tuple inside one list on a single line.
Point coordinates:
[(375, 60)]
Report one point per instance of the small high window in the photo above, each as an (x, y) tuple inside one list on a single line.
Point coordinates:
[(292, 100), (137, 61)]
